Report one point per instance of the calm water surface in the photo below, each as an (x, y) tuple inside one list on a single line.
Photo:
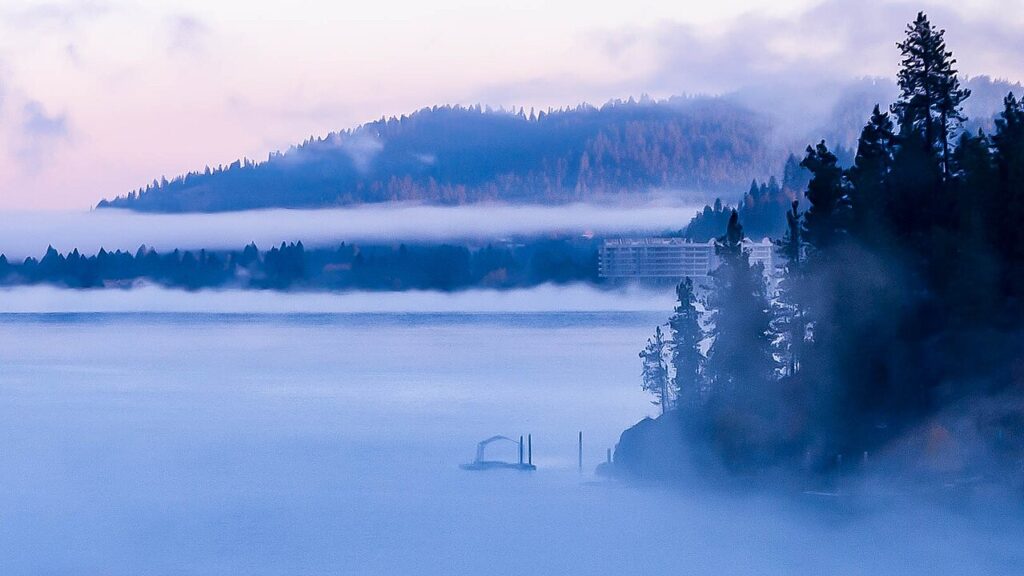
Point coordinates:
[(330, 444)]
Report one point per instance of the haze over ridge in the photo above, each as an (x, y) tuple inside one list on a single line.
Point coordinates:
[(89, 112)]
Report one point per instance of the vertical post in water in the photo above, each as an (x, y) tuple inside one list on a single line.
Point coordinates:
[(529, 449), (520, 450), (608, 458), (580, 453)]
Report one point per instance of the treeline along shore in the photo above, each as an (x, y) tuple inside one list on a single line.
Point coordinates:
[(293, 266)]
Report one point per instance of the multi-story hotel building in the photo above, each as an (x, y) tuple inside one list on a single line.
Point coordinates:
[(670, 258)]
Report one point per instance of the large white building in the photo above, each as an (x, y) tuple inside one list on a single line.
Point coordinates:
[(671, 258)]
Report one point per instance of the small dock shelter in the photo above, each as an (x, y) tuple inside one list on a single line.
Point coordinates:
[(482, 463)]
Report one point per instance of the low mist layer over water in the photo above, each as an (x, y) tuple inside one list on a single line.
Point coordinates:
[(545, 298), (330, 444), (29, 233)]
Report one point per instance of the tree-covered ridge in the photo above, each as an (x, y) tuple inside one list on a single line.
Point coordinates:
[(762, 209), (293, 266), (896, 323), (455, 155)]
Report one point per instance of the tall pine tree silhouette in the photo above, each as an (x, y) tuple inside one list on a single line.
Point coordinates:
[(827, 216), (740, 355), (687, 360), (1008, 143), (869, 179), (788, 321), (931, 99), (655, 371)]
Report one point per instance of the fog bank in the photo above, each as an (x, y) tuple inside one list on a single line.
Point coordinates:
[(547, 298), (273, 446), (24, 234)]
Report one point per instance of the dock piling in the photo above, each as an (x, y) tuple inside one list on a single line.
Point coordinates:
[(579, 456)]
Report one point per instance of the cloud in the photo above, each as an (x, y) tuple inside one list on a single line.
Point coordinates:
[(73, 55), (29, 134), (63, 15), (40, 133), (546, 298), (38, 124), (3, 90), (29, 233), (834, 41), (805, 71), (187, 34), (362, 147), (809, 70)]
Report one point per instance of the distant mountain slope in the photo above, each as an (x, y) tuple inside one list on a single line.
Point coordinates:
[(455, 155)]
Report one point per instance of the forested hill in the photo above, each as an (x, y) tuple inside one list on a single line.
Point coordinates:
[(455, 155)]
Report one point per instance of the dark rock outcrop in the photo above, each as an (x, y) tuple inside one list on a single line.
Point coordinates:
[(652, 449)]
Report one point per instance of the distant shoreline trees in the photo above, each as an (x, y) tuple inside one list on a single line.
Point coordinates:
[(293, 266)]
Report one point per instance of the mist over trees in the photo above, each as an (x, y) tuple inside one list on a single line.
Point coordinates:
[(456, 155), (810, 111), (763, 208), (896, 323), (623, 149)]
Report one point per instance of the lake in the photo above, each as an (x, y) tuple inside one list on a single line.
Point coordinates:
[(209, 444)]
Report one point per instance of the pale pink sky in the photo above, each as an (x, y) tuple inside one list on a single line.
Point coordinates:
[(99, 97)]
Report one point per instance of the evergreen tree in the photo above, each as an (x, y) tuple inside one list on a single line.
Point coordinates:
[(971, 286), (788, 322), (791, 246), (50, 267), (655, 371), (827, 216), (931, 99), (687, 360), (914, 317), (753, 195), (762, 209), (708, 223), (740, 355), (917, 197), (869, 178), (1008, 144), (794, 176)]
